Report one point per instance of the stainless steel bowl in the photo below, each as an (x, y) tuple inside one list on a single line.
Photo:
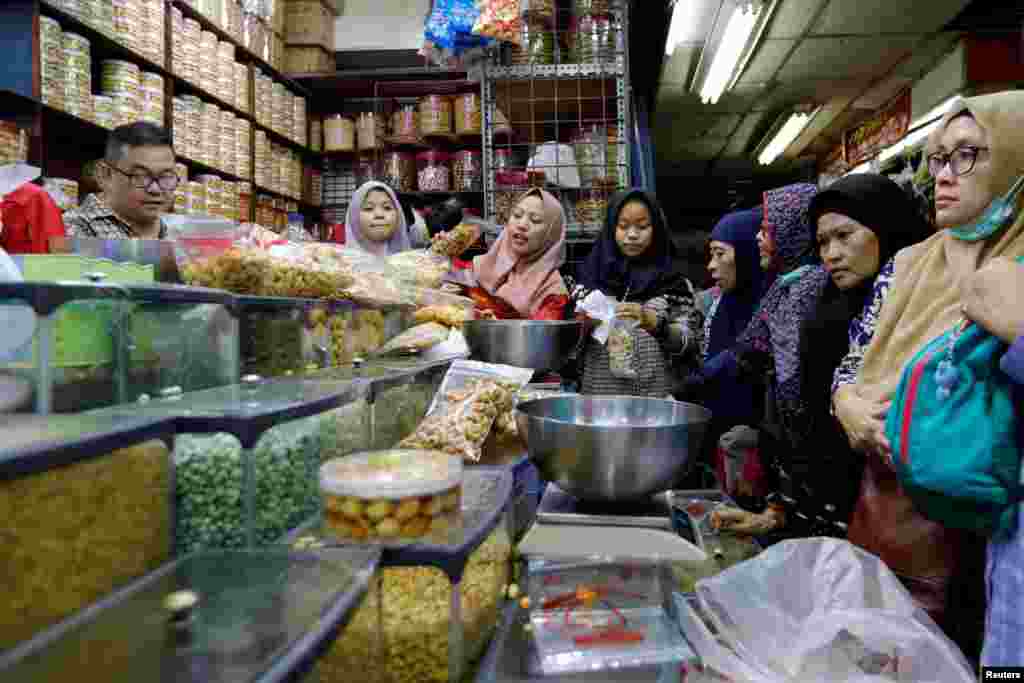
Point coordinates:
[(536, 344), (611, 448)]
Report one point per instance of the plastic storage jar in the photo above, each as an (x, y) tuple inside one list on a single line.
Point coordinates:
[(435, 115), (370, 131), (339, 134), (467, 114), (405, 125), (388, 495), (467, 171), (400, 171), (433, 174)]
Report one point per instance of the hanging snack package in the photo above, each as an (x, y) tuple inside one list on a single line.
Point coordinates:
[(622, 348), (416, 339), (501, 20), (470, 399)]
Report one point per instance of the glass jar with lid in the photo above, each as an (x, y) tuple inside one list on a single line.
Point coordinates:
[(433, 171), (467, 171), (400, 171)]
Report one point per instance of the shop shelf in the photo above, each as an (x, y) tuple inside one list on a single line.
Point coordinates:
[(183, 86), (280, 139), (262, 616), (557, 71), (198, 168)]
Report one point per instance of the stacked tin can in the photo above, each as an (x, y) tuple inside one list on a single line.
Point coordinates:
[(226, 71), (192, 131), (127, 22), (177, 41), (191, 46), (230, 199), (209, 74), (181, 192), (243, 148), (80, 9), (77, 76), (51, 57), (244, 202), (195, 198), (151, 98), (316, 188), (103, 16), (274, 168), (153, 30), (242, 95), (261, 171), (316, 134), (228, 156), (301, 122), (233, 19), (277, 99), (103, 111), (264, 92), (212, 190), (122, 83), (209, 142)]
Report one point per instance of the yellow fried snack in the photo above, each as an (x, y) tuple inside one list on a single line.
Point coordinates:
[(450, 316)]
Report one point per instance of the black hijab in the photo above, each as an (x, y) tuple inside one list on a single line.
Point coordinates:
[(884, 208), (735, 309), (649, 275)]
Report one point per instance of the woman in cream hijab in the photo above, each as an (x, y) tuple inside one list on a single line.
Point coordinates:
[(375, 223), (976, 157), (518, 277)]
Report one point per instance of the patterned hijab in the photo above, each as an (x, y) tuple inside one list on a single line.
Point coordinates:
[(399, 240), (526, 283), (775, 329)]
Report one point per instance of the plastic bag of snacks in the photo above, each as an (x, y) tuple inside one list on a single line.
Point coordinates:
[(622, 348), (456, 241), (300, 270), (221, 255), (422, 268), (416, 339), (501, 20), (471, 397), (444, 314)]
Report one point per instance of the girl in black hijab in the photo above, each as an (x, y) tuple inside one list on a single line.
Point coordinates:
[(634, 262)]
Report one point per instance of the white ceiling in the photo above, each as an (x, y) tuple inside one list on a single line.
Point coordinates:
[(849, 57)]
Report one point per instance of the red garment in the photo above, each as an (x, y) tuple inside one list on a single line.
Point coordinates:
[(30, 219), (552, 308)]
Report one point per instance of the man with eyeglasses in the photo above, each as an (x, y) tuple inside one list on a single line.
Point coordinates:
[(138, 180)]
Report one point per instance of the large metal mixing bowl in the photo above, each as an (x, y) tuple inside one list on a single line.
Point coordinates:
[(611, 448), (536, 344)]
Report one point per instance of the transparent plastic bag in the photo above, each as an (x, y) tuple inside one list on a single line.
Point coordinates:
[(420, 268), (622, 349), (416, 339), (501, 20), (457, 240), (822, 609)]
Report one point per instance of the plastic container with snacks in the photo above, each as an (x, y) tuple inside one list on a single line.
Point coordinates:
[(582, 7), (391, 495), (594, 39), (467, 171), (339, 134), (435, 115), (400, 171), (369, 131), (405, 125), (538, 46), (433, 173), (467, 114)]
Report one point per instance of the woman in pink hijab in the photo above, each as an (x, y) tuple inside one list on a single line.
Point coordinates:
[(518, 277), (375, 223)]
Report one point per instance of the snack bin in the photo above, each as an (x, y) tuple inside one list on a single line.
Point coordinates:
[(261, 616), (78, 327), (178, 339), (246, 457), (277, 336), (434, 605), (87, 508)]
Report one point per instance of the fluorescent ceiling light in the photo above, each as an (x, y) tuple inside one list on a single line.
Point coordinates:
[(734, 43), (789, 131), (685, 23), (909, 141)]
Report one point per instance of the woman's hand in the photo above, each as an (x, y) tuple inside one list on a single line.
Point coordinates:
[(993, 297), (863, 421), (744, 523), (647, 318)]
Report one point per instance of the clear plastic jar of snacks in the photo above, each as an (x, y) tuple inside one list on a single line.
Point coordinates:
[(467, 114), (369, 131), (400, 171), (339, 134), (467, 171), (391, 495), (405, 124), (432, 171), (435, 115)]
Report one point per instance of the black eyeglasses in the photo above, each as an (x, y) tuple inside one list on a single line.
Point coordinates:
[(961, 160), (168, 182)]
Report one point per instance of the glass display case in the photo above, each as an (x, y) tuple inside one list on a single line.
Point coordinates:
[(87, 507), (97, 344), (433, 607), (224, 616)]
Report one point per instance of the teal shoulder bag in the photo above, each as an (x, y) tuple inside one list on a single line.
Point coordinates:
[(954, 432)]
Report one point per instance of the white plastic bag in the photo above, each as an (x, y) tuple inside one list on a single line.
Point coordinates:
[(558, 163), (599, 307), (821, 609)]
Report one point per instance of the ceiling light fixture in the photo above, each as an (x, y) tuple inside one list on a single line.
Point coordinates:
[(685, 22), (746, 22), (785, 135)]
